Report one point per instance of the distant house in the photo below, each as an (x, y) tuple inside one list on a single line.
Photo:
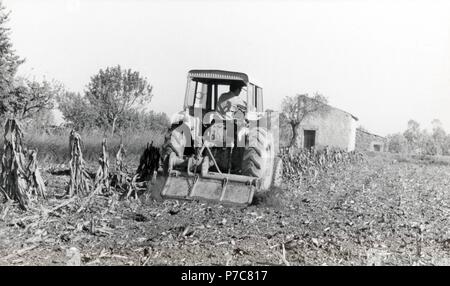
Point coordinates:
[(366, 141), (331, 127)]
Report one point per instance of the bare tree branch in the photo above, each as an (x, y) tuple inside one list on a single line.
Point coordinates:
[(297, 108)]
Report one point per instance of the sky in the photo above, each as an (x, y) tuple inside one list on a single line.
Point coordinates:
[(383, 61)]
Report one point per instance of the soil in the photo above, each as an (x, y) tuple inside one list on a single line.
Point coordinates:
[(378, 212)]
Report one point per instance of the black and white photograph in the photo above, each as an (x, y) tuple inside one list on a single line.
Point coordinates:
[(253, 133)]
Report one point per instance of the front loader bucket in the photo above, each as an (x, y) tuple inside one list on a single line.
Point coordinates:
[(215, 187)]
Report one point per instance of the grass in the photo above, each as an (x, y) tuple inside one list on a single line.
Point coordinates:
[(416, 159), (54, 148)]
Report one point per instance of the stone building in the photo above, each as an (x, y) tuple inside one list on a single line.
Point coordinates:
[(366, 141), (330, 127)]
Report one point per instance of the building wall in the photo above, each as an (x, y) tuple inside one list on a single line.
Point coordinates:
[(366, 141), (334, 128)]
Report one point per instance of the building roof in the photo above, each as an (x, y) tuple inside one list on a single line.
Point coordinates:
[(353, 116), (367, 132)]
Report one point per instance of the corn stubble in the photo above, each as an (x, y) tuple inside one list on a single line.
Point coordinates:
[(300, 165), (105, 182), (20, 179), (101, 182), (79, 183)]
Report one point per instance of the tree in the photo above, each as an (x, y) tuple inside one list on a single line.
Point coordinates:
[(135, 120), (439, 136), (115, 91), (420, 141), (77, 110), (28, 98), (296, 108), (427, 144), (412, 134), (397, 143), (9, 62), (446, 148)]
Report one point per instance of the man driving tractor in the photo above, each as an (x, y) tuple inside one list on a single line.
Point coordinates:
[(230, 102)]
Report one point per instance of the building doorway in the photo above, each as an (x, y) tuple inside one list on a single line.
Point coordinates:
[(309, 138)]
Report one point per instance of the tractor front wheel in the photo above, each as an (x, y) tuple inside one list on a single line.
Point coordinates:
[(258, 158)]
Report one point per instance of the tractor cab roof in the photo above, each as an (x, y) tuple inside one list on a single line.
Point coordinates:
[(220, 75)]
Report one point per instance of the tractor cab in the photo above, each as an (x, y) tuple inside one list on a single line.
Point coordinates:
[(204, 88), (203, 93)]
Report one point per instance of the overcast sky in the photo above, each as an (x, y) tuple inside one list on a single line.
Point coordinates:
[(384, 61)]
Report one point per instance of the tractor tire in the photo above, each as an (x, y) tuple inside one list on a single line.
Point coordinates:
[(258, 157)]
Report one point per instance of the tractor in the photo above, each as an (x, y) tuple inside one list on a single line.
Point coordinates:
[(225, 156)]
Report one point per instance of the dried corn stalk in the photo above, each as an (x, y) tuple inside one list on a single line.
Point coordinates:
[(148, 163), (134, 187), (13, 180), (146, 171), (79, 179), (101, 181), (37, 186), (130, 186), (121, 172), (18, 180), (102, 176)]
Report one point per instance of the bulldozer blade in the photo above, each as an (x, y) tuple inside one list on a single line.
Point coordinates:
[(220, 188)]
